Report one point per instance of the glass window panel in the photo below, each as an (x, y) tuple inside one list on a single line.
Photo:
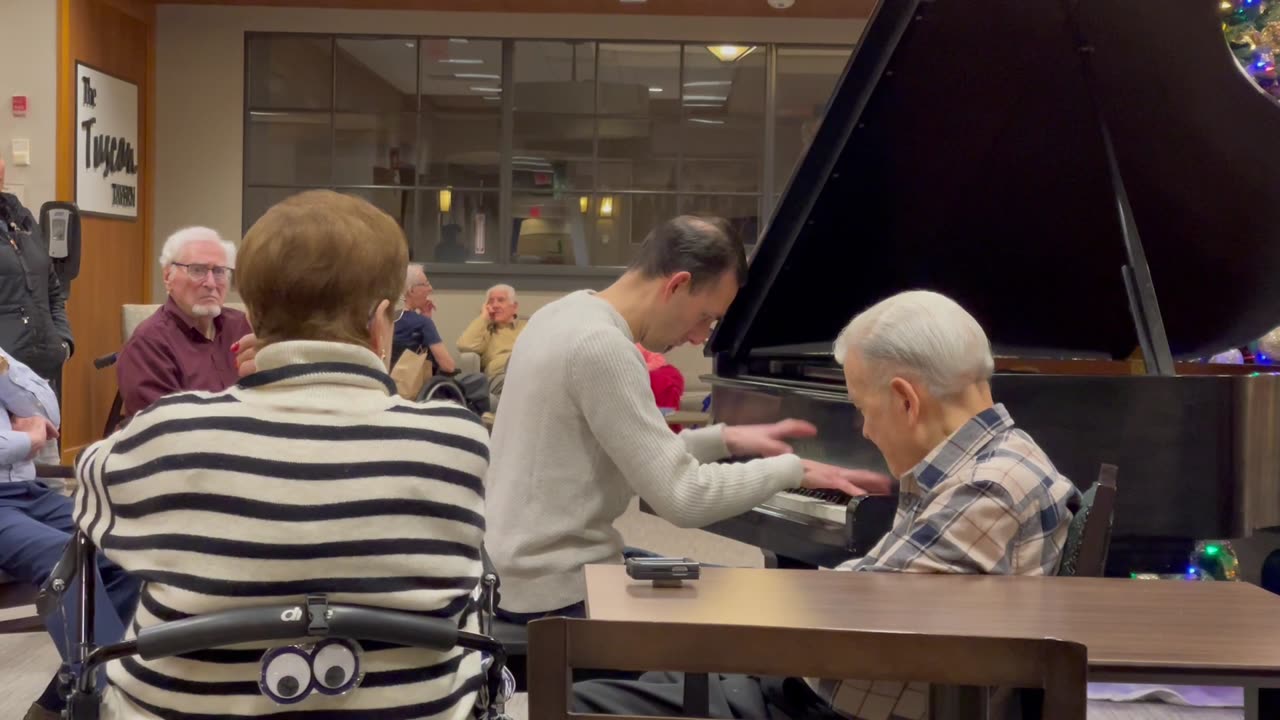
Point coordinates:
[(459, 129), (289, 149), (722, 153), (718, 87), (638, 153), (396, 203), (376, 74), (741, 211), (619, 232), (258, 200), (552, 229), (554, 77), (639, 79), (374, 149), (290, 71), (806, 79), (552, 152), (456, 226)]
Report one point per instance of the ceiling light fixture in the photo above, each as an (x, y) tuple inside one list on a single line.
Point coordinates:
[(706, 121), (655, 89), (708, 83), (486, 89), (462, 61), (460, 41), (476, 76), (730, 53), (706, 98)]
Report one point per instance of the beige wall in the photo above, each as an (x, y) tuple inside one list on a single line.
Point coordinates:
[(29, 66), (200, 102)]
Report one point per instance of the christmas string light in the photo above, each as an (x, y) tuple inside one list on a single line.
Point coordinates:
[(1252, 30)]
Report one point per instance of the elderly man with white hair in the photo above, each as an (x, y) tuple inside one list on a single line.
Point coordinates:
[(187, 344), (976, 496), (493, 334)]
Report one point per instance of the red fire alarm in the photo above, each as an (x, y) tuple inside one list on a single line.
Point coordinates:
[(19, 105)]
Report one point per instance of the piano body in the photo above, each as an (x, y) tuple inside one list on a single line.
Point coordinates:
[(1050, 165)]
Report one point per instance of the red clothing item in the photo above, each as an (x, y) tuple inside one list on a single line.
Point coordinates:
[(668, 385), (167, 354)]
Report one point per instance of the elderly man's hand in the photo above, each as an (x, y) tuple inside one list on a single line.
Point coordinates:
[(39, 429), (821, 476), (246, 350), (765, 440)]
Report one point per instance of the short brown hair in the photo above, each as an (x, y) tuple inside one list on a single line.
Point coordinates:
[(703, 246), (316, 265)]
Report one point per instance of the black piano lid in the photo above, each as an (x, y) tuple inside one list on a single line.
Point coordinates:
[(961, 153)]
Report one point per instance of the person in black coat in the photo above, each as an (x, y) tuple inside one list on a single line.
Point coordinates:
[(33, 314)]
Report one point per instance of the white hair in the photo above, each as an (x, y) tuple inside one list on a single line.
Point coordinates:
[(408, 275), (510, 291), (923, 335), (173, 246)]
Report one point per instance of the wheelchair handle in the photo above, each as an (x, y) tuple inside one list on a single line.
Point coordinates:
[(295, 621)]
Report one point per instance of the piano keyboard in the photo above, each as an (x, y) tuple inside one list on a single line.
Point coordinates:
[(828, 505)]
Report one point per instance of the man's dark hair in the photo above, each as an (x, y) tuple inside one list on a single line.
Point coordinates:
[(703, 246)]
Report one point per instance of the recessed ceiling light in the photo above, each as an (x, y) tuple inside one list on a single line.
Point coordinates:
[(708, 83), (730, 53), (475, 76), (655, 89), (409, 45), (706, 105), (486, 89), (705, 98), (460, 41), (463, 61), (633, 2), (493, 97), (706, 121)]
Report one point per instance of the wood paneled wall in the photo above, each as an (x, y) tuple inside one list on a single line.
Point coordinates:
[(117, 37)]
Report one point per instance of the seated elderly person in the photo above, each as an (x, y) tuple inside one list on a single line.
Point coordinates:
[(415, 326), (976, 495), (35, 519), (493, 334), (187, 344), (309, 476)]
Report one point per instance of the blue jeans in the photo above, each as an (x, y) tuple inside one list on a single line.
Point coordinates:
[(35, 527)]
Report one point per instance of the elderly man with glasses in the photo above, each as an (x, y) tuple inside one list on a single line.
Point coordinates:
[(187, 344)]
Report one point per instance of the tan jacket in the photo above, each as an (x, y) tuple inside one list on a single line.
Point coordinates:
[(491, 342)]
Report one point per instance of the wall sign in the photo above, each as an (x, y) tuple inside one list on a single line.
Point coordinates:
[(107, 151)]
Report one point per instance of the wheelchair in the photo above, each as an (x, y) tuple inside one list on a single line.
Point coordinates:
[(312, 617)]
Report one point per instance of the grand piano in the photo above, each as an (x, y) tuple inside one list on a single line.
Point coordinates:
[(1096, 182)]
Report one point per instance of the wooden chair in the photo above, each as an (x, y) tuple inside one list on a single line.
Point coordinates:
[(557, 646), (1089, 536)]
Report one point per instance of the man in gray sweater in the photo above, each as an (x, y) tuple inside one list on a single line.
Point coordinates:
[(579, 434)]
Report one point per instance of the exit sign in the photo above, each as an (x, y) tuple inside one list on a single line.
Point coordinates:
[(19, 105)]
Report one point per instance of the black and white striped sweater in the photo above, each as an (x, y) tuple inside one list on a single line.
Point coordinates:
[(311, 476)]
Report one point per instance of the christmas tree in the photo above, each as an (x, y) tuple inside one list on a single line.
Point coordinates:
[(1252, 28)]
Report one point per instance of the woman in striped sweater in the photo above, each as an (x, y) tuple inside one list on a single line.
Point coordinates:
[(310, 476)]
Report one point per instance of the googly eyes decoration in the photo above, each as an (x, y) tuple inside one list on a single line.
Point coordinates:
[(290, 674)]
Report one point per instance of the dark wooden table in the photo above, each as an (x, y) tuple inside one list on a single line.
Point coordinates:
[(1169, 632)]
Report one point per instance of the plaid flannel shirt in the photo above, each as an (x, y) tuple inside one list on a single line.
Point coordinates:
[(987, 500)]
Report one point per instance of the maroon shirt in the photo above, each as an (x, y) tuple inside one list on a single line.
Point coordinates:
[(167, 354)]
